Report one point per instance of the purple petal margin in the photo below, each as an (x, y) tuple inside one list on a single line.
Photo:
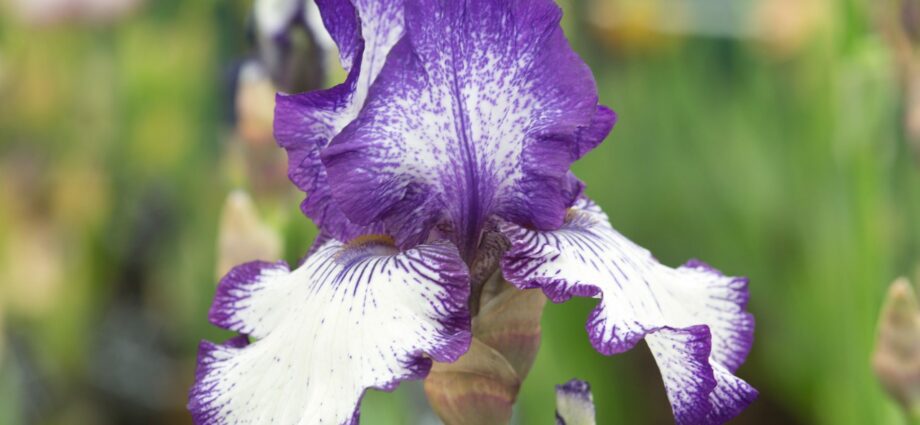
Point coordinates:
[(203, 414), (235, 289)]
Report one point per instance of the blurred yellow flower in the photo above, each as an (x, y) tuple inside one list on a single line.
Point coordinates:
[(33, 269), (785, 26), (635, 25)]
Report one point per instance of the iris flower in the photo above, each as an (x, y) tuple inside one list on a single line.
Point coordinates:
[(456, 125)]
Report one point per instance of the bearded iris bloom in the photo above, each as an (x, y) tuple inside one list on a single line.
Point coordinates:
[(456, 127)]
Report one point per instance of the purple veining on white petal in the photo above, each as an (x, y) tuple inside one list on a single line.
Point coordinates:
[(364, 30), (209, 354), (693, 317), (733, 337), (730, 397), (700, 391), (479, 111), (353, 316), (683, 359), (237, 303)]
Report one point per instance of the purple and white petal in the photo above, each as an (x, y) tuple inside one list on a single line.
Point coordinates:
[(353, 316), (730, 397), (339, 17), (700, 390), (479, 111), (236, 306), (682, 356), (364, 31), (692, 317)]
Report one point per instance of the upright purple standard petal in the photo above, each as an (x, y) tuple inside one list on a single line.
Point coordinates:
[(479, 111), (353, 316), (693, 317), (365, 31)]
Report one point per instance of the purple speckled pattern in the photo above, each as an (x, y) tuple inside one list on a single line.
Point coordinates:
[(364, 31), (479, 111), (692, 317), (352, 317)]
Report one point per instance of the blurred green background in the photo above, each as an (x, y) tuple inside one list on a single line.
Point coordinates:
[(770, 138)]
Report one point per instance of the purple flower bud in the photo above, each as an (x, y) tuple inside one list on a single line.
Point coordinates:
[(574, 403)]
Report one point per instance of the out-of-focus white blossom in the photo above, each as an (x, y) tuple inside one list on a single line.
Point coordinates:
[(242, 236), (292, 42)]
